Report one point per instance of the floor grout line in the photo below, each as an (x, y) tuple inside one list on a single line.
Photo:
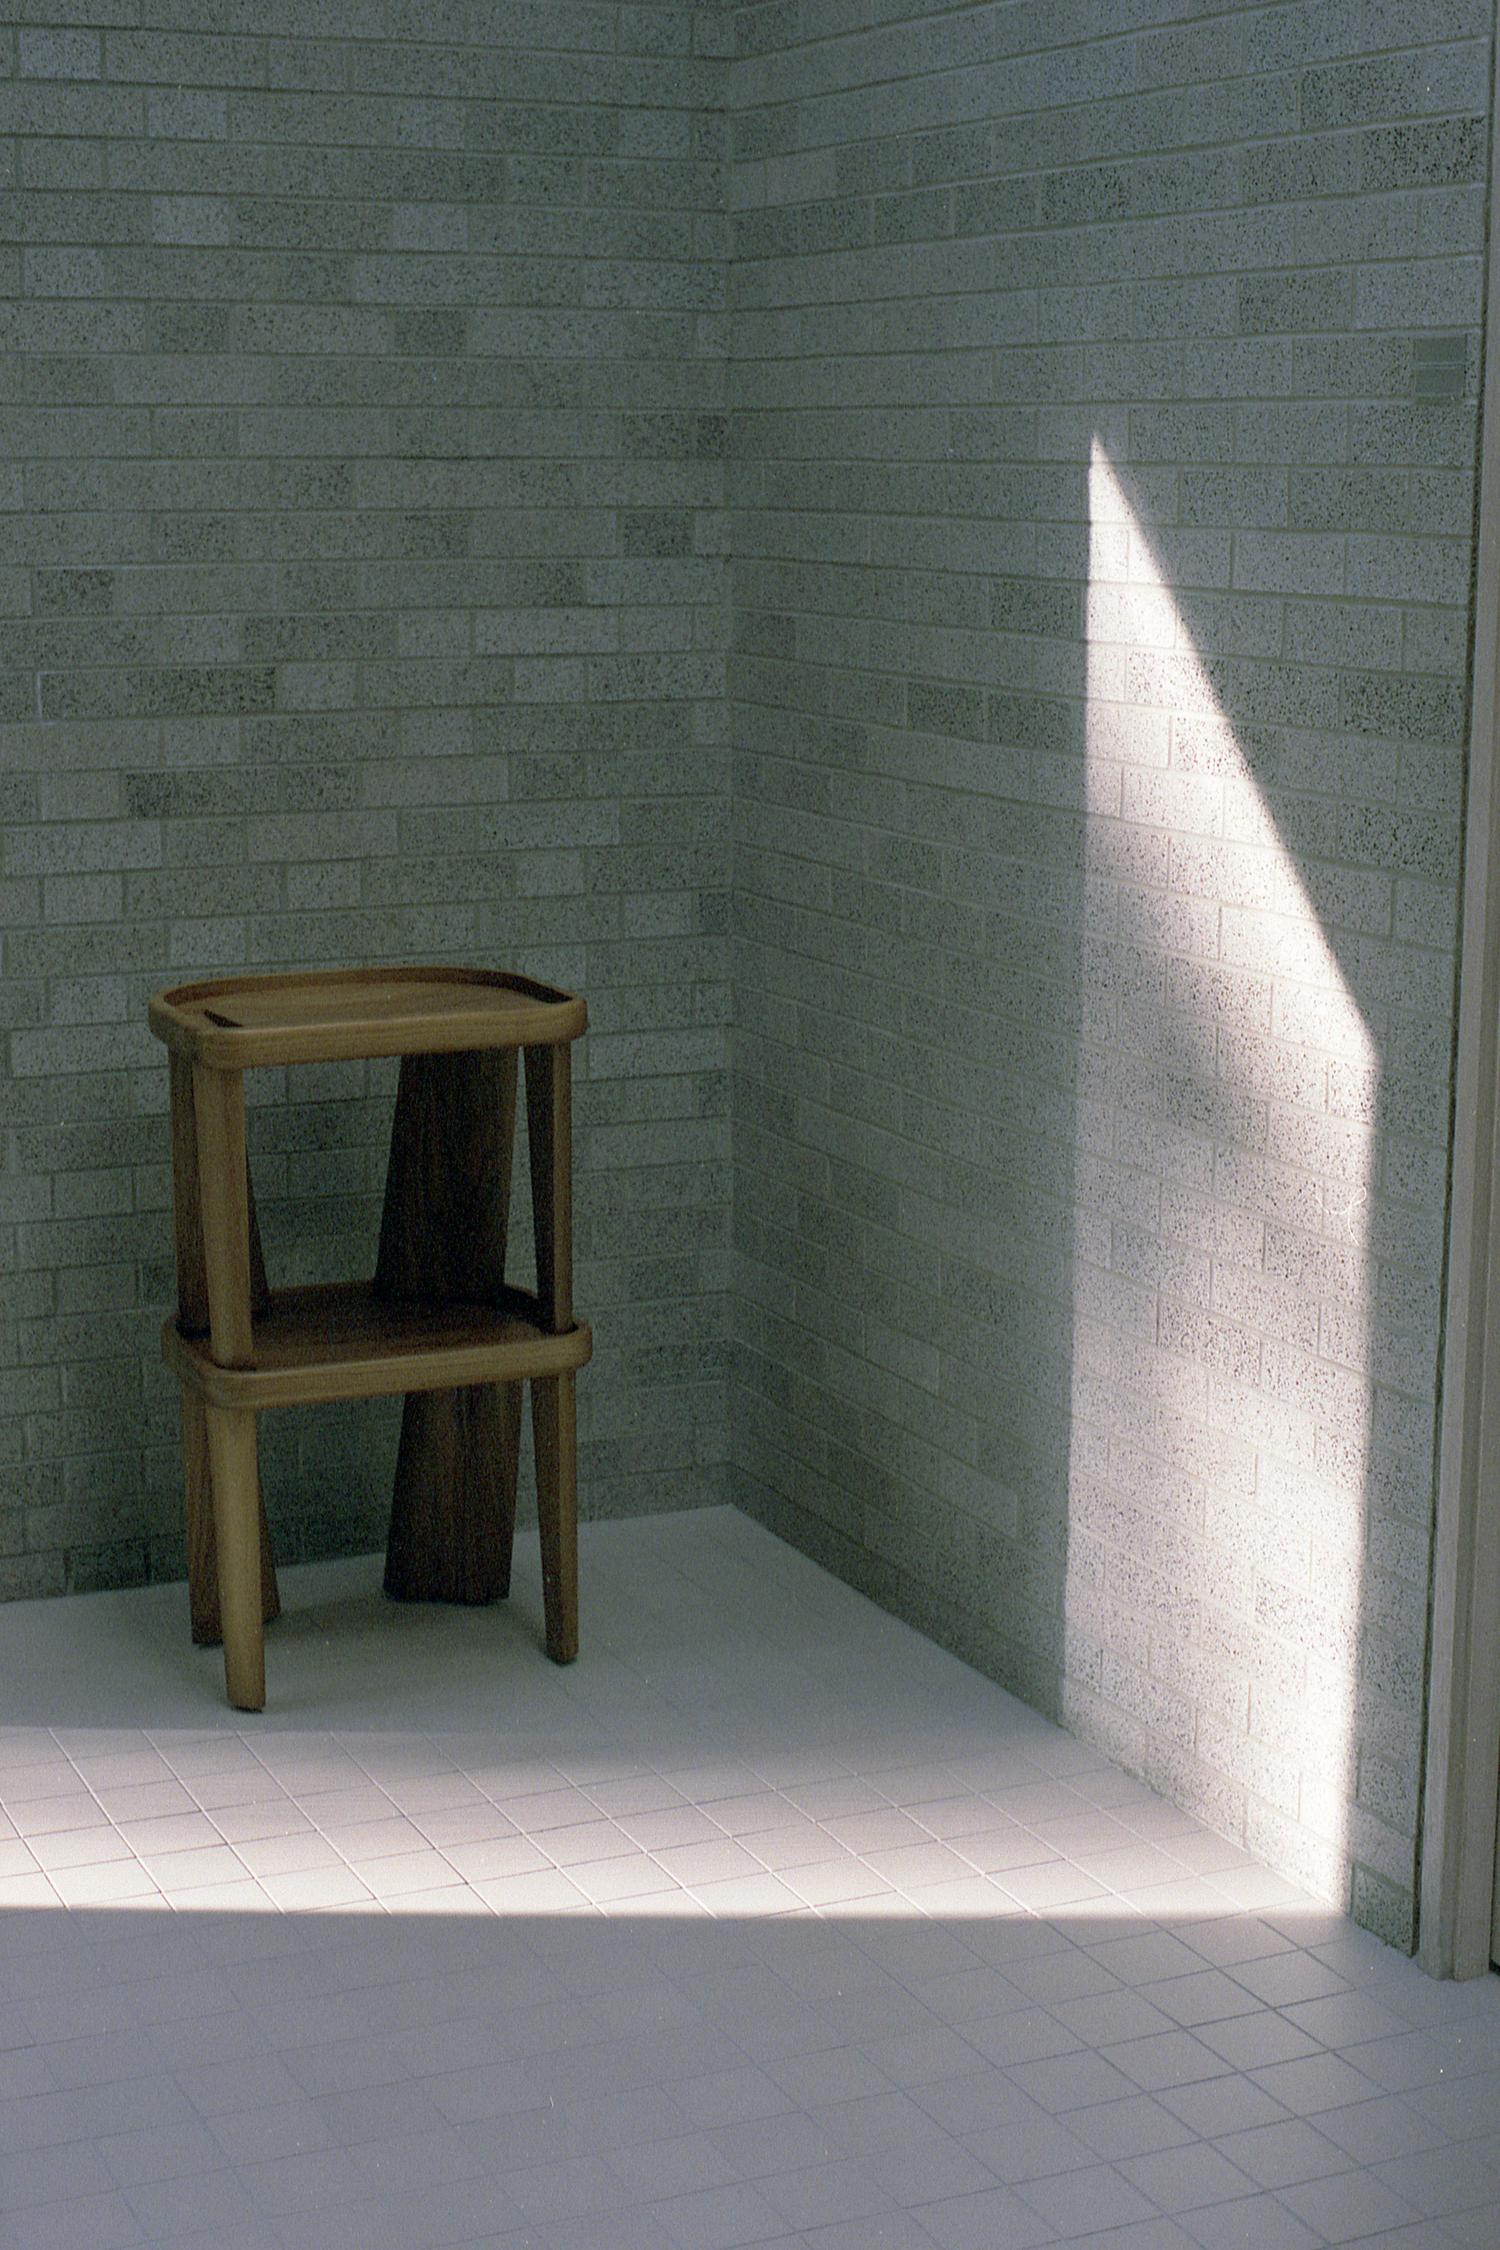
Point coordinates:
[(1051, 2011)]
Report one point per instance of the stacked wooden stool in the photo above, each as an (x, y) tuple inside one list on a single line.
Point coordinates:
[(439, 1320)]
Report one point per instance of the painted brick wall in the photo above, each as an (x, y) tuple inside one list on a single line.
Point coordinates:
[(361, 411), (1101, 521)]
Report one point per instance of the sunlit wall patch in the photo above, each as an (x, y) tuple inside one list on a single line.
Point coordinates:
[(1222, 1381)]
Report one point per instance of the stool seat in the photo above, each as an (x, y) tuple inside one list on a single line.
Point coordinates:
[(438, 1322), (343, 1015)]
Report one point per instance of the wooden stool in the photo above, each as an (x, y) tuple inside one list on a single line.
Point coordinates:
[(439, 1320)]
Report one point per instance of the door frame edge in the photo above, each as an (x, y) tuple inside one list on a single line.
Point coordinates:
[(1461, 1785)]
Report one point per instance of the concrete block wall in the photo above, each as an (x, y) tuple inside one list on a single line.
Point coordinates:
[(1102, 444), (1093, 430), (361, 412)]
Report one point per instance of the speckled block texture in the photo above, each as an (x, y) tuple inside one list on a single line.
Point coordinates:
[(1068, 414), (1103, 427), (360, 600)]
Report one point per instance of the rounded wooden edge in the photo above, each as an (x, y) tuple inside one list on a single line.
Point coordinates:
[(559, 1018), (324, 1382)]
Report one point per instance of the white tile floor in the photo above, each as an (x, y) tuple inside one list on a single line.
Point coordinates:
[(767, 1923)]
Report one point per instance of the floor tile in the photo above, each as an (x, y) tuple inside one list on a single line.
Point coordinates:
[(1087, 2201), (1184, 2179), (766, 1923), (1351, 2205), (1284, 2154)]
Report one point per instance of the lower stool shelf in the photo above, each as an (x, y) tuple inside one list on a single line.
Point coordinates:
[(341, 1340)]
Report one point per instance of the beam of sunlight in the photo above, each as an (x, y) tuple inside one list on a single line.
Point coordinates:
[(286, 1820), (1222, 1362), (112, 1822)]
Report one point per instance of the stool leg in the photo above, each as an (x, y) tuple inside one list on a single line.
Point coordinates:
[(447, 1184), (453, 1510), (224, 1203), (236, 1508), (442, 1241), (554, 1432), (193, 1320), (202, 1547), (549, 1137), (202, 1544), (511, 1402)]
